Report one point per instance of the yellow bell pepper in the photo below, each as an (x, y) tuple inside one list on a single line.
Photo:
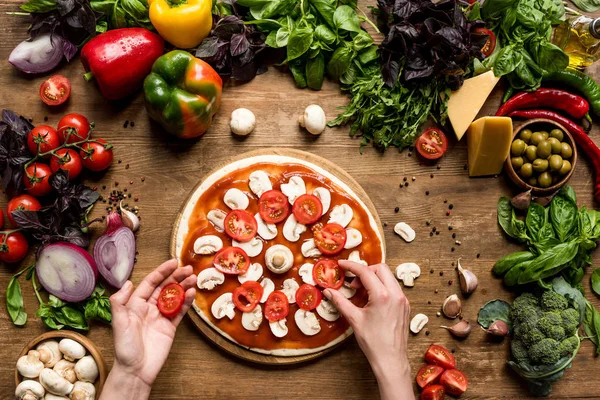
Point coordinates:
[(183, 23)]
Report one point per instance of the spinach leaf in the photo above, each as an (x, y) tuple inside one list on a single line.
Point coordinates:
[(14, 302), (549, 263), (345, 18), (507, 262), (535, 220), (340, 60), (563, 215), (315, 71), (596, 281), (299, 42), (507, 219), (39, 6)]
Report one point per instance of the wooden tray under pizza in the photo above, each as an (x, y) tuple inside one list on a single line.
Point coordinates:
[(278, 253)]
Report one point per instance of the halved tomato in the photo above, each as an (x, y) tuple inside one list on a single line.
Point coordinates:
[(307, 209), (490, 45), (433, 392), (240, 225), (277, 306), (454, 381), (247, 296), (273, 206), (308, 297), (428, 374), (328, 274), (232, 260), (438, 355), (329, 239), (55, 90), (170, 299), (432, 144)]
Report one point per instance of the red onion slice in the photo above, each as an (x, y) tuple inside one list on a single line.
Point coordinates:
[(39, 55), (115, 254)]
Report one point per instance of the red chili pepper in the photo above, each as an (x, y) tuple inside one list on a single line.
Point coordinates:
[(120, 59), (576, 106), (583, 141)]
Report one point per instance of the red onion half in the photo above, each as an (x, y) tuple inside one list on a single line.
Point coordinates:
[(41, 54), (66, 271), (114, 252)]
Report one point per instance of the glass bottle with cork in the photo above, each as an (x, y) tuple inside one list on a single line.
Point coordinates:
[(579, 37)]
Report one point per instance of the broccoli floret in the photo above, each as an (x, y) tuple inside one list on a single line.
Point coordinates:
[(570, 321), (545, 352), (525, 313), (551, 325), (552, 301), (526, 299), (568, 346), (528, 333), (519, 351)]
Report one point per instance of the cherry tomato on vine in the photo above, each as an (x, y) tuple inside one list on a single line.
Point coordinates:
[(96, 156), (20, 203), (55, 90), (36, 179), (14, 249), (45, 136), (73, 128), (68, 160)]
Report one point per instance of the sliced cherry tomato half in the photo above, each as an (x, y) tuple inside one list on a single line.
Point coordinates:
[(36, 179), (55, 90), (240, 225), (96, 156), (433, 392), (247, 296), (43, 136), (73, 128), (277, 306), (308, 297), (438, 355), (170, 299), (273, 206), (428, 374), (307, 209), (489, 46), (231, 260), (454, 381), (68, 160), (432, 144), (15, 248), (328, 274), (21, 203), (330, 239)]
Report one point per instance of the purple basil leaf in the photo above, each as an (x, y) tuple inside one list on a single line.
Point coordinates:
[(75, 236), (65, 6), (243, 73), (208, 47), (69, 50), (246, 58), (239, 44), (227, 27), (390, 71), (59, 181), (29, 220)]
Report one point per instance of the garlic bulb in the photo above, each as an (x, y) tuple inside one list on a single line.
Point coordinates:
[(461, 329), (129, 219), (468, 280), (452, 306)]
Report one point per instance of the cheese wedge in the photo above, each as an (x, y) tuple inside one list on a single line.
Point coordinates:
[(488, 144), (465, 103)]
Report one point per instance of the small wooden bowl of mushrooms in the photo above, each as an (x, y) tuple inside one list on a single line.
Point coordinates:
[(60, 365)]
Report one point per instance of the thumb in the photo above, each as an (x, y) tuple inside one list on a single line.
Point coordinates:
[(344, 306)]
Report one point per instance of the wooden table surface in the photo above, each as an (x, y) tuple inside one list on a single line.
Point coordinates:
[(195, 368)]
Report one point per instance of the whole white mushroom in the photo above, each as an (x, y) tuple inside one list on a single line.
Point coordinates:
[(49, 353), (86, 369), (313, 119), (30, 390), (83, 391), (30, 366), (71, 349), (242, 121)]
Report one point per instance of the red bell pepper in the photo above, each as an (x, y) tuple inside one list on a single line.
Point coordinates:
[(120, 59)]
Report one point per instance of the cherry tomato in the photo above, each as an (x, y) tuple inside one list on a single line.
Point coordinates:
[(19, 203), (307, 209), (55, 90), (432, 144), (428, 374), (232, 260), (1, 219), (36, 179), (170, 300), (490, 45), (438, 355), (73, 128), (330, 239), (15, 248), (433, 392), (96, 156), (247, 296), (240, 225), (67, 160), (454, 381), (45, 136), (277, 306), (328, 274), (308, 297), (273, 206)]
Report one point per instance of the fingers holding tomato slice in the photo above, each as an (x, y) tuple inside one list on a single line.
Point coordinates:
[(277, 306), (328, 274), (308, 297), (23, 202), (432, 144), (240, 225), (55, 90), (438, 355), (330, 239), (307, 209), (247, 296), (232, 260), (171, 299), (433, 392), (454, 381), (273, 206), (428, 374)]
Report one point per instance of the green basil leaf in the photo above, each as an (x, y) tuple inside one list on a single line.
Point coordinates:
[(369, 54), (563, 215), (507, 60), (506, 263), (282, 36), (507, 219), (535, 220), (39, 6), (315, 72), (550, 57), (549, 263), (362, 40), (55, 302), (325, 8), (72, 317), (298, 68), (299, 42), (324, 34), (14, 302), (596, 281), (511, 278), (350, 75), (546, 239), (271, 40), (252, 3), (340, 61), (346, 18), (138, 11), (591, 325)]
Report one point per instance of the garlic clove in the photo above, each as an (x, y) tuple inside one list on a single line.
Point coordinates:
[(129, 219), (452, 306), (418, 322), (468, 280), (522, 200), (498, 328), (461, 329)]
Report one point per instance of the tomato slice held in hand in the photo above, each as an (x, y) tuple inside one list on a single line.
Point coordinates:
[(330, 239), (36, 179), (428, 374), (454, 381), (273, 206), (55, 90), (73, 128), (432, 144), (308, 297), (307, 209), (240, 225), (15, 248), (45, 136), (489, 46), (433, 392), (170, 299), (247, 296), (277, 306), (96, 156), (438, 355), (68, 160), (231, 260), (328, 274), (20, 203)]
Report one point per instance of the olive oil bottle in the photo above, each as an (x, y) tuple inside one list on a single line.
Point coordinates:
[(579, 37)]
